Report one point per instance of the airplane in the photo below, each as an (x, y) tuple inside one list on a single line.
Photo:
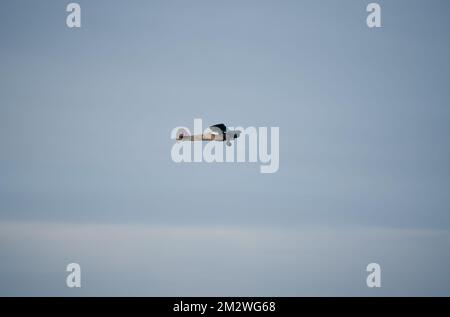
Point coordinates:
[(219, 133)]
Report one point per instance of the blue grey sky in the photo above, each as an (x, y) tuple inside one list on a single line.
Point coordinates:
[(85, 122)]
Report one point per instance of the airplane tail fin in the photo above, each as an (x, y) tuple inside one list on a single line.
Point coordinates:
[(182, 134)]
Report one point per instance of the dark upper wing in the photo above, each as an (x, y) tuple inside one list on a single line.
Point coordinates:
[(219, 128)]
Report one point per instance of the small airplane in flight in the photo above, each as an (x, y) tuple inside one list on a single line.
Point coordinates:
[(219, 132)]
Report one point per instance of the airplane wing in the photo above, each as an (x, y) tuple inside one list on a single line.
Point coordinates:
[(219, 128)]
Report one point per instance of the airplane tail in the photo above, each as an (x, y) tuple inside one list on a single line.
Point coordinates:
[(181, 134)]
